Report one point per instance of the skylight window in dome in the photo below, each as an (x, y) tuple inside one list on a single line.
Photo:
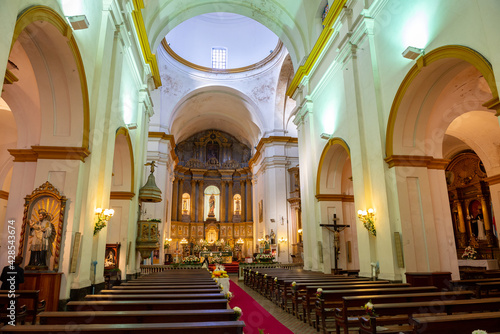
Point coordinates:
[(219, 58)]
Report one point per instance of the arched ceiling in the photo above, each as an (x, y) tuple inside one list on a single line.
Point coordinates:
[(219, 108), (287, 19)]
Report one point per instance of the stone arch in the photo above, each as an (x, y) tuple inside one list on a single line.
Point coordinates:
[(335, 148), (123, 163), (46, 49)]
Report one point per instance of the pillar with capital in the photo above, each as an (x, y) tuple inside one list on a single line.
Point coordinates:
[(223, 202), (175, 196), (200, 200), (231, 202), (249, 200), (178, 207), (243, 197), (462, 234), (490, 238)]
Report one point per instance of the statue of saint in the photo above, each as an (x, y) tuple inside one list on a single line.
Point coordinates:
[(211, 204), (267, 245), (43, 234), (273, 238), (237, 206)]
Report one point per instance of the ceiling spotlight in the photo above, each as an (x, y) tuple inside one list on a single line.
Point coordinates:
[(132, 126), (325, 136), (78, 22), (412, 52)]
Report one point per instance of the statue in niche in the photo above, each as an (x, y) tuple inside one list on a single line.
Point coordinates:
[(273, 237), (211, 204), (43, 233)]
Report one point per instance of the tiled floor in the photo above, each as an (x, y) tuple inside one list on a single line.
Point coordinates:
[(295, 325)]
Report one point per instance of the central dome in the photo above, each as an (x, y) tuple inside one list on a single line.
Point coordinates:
[(232, 41)]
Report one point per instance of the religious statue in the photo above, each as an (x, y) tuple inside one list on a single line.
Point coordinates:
[(43, 233), (237, 206), (267, 245), (211, 204), (481, 235), (273, 237), (110, 260)]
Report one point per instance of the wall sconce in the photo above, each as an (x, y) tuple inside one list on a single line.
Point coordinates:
[(132, 126), (368, 220), (299, 231), (166, 244), (183, 241), (282, 240), (103, 216), (240, 241), (78, 22), (412, 52), (272, 220), (325, 136)]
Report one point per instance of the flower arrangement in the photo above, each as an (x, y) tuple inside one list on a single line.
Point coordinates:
[(219, 243), (217, 273), (217, 259), (479, 331), (276, 279), (265, 275), (196, 248), (265, 258), (238, 312), (227, 248), (191, 259), (229, 295), (469, 253), (368, 220), (319, 293), (294, 285), (370, 309)]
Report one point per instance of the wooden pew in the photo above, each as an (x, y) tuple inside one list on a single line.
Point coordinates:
[(456, 323), (405, 311), (30, 298), (212, 327), (331, 299), (352, 307), (470, 284), (129, 305), (484, 289), (158, 291), (161, 287), (134, 317), (17, 315), (155, 296)]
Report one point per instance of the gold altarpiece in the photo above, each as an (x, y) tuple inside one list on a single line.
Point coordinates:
[(470, 203), (212, 192)]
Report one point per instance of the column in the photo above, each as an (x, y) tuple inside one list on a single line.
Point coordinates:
[(178, 208), (223, 202), (249, 200), (175, 196), (231, 202), (462, 236), (193, 200), (486, 220), (243, 197), (200, 201)]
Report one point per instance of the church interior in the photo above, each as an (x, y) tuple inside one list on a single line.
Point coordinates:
[(323, 137)]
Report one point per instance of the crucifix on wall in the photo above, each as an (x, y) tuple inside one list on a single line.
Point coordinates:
[(336, 229)]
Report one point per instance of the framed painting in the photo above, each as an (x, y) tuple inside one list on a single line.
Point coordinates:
[(42, 229), (112, 256), (261, 212)]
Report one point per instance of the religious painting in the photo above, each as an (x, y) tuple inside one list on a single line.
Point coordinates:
[(242, 231), (186, 231), (179, 231), (229, 232), (236, 231), (193, 231), (223, 231), (249, 230), (111, 256), (200, 231), (42, 229), (173, 229), (261, 212)]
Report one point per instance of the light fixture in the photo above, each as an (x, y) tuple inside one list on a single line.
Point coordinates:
[(240, 241), (132, 126), (184, 241), (368, 217), (282, 239), (412, 52), (103, 216), (78, 22), (325, 136), (299, 231)]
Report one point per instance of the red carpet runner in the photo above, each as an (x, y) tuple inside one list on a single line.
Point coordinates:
[(254, 315)]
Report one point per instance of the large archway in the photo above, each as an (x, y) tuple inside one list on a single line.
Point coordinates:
[(334, 191), (441, 106)]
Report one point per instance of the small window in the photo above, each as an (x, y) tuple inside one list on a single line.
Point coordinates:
[(219, 58)]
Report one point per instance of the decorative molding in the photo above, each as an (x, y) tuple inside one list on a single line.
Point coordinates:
[(332, 142), (449, 51), (140, 29), (49, 152), (268, 140), (319, 46), (416, 161), (170, 138), (43, 13), (495, 179), (9, 78), (334, 198), (121, 195), (187, 63), (4, 195)]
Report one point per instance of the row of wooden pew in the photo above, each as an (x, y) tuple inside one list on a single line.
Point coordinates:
[(184, 301), (399, 307), (27, 305)]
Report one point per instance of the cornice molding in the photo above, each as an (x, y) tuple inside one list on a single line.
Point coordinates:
[(319, 46), (49, 153), (4, 195), (268, 140), (416, 161), (9, 78), (334, 198), (187, 63), (140, 29), (495, 179), (170, 138), (121, 195)]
